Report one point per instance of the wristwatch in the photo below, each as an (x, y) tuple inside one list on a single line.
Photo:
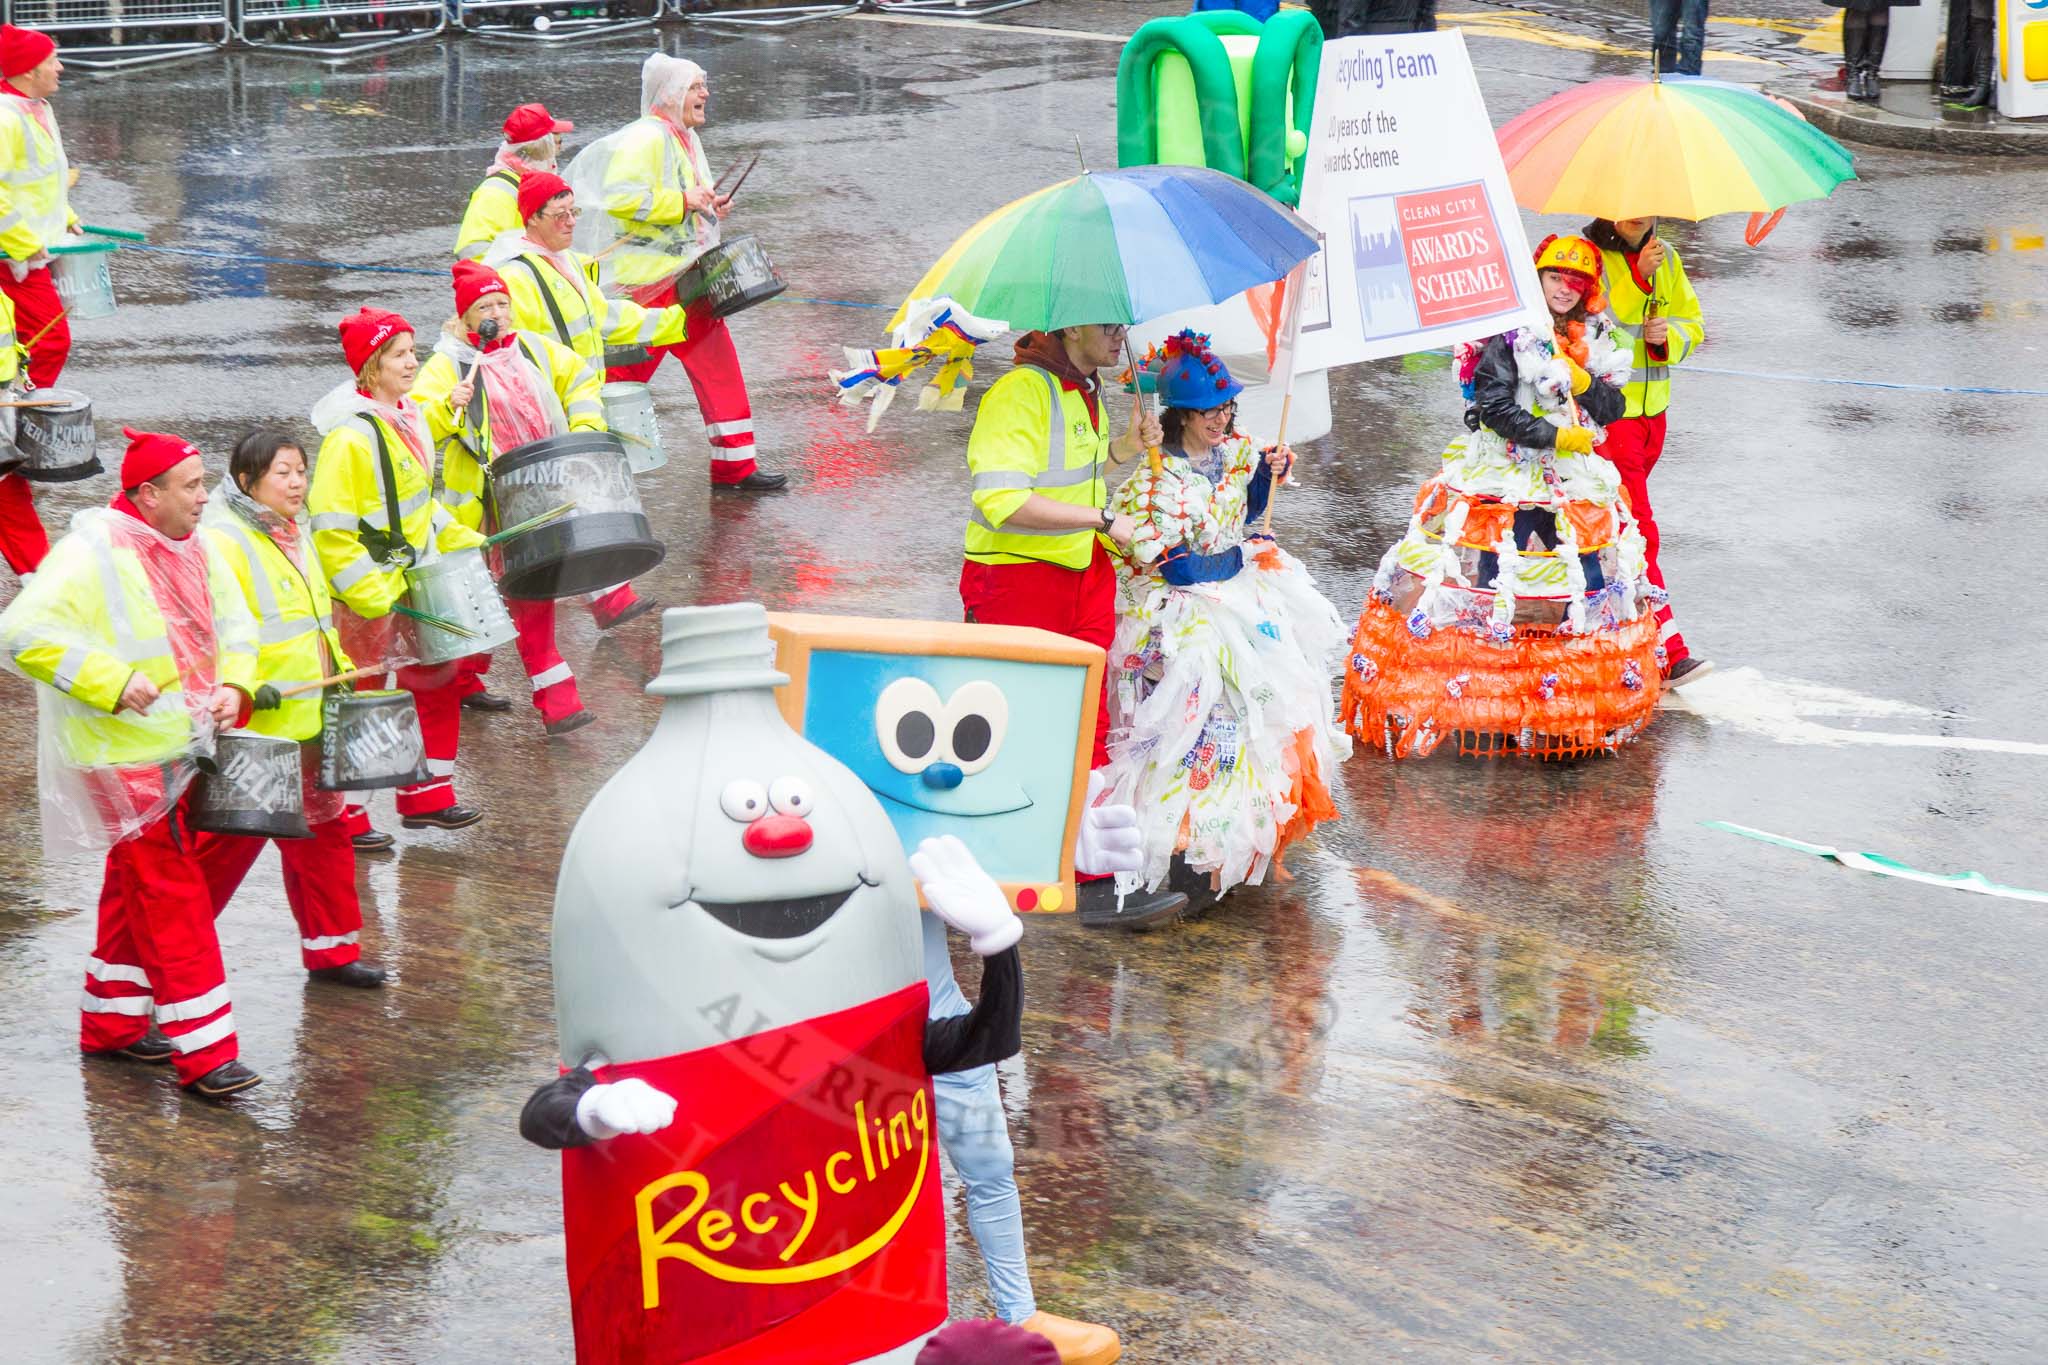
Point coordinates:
[(1108, 519)]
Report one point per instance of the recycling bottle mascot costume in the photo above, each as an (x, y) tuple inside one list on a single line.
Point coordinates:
[(752, 1168)]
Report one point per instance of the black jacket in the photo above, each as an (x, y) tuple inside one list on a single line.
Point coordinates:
[(1495, 404), (989, 1032)]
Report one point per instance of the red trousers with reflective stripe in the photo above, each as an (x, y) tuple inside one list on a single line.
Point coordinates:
[(554, 683), (713, 365), (319, 885), (39, 323), (156, 923), (1080, 603), (22, 538), (1635, 444)]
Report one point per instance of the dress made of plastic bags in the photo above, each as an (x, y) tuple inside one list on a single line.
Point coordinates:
[(630, 183), (115, 598)]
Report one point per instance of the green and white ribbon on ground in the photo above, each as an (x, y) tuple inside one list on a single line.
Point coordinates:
[(1886, 867)]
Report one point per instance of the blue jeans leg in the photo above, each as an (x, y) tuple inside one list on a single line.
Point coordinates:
[(975, 1133)]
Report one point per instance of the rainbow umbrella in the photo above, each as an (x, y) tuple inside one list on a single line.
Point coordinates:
[(1621, 148), (1118, 246)]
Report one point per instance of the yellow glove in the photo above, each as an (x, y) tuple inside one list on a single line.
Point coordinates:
[(1574, 440), (1581, 381)]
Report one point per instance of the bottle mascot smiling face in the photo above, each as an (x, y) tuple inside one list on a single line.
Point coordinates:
[(736, 924)]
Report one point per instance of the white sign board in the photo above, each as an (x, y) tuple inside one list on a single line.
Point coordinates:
[(1422, 243)]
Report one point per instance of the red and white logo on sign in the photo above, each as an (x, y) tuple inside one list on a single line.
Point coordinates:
[(1455, 258)]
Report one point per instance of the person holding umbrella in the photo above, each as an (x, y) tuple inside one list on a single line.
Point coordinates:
[(1649, 295), (1039, 530)]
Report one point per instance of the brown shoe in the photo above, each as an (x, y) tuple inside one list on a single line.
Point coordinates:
[(1079, 1343)]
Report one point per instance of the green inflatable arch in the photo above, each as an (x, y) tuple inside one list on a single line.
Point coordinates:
[(1251, 144)]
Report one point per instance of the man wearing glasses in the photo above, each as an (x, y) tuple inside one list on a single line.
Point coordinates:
[(1038, 535)]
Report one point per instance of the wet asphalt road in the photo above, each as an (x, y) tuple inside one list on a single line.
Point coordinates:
[(1525, 1065)]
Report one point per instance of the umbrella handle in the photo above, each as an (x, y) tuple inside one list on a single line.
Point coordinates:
[(1152, 453)]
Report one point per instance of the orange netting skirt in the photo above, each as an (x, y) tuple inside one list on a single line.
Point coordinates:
[(1544, 695)]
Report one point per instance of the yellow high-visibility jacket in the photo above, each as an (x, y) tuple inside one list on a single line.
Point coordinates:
[(493, 209), (10, 344), (293, 615), (1648, 391), (463, 439), (582, 318), (1017, 449), (88, 621), (645, 184), (35, 203), (347, 498)]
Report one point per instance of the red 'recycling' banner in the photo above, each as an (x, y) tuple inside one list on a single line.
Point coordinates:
[(791, 1211)]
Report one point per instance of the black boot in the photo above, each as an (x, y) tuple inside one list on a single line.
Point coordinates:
[(1984, 47), (358, 973), (1855, 34), (1096, 906), (1873, 59), (229, 1078)]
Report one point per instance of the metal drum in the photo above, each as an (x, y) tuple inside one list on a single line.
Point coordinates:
[(629, 412), (733, 275), (79, 270), (631, 354), (455, 587), (604, 540), (57, 441), (251, 786), (370, 740)]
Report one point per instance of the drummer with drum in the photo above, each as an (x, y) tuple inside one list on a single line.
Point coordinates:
[(661, 213), (256, 528), (487, 390), (35, 214), (377, 526), (145, 654)]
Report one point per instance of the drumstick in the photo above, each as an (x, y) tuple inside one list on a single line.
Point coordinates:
[(62, 313), (727, 196), (437, 622), (365, 671), (35, 402), (531, 522)]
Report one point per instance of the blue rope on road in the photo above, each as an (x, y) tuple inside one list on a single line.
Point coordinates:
[(1895, 385)]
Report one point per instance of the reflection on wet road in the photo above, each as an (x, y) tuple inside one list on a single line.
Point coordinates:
[(1524, 1064)]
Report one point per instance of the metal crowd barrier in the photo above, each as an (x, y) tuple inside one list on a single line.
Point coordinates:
[(524, 19), (336, 28), (111, 34)]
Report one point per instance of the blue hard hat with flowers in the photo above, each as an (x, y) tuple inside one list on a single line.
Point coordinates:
[(1185, 373)]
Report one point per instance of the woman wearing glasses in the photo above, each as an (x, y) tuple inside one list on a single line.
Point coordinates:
[(1222, 733)]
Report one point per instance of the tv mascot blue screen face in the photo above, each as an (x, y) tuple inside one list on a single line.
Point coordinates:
[(978, 748)]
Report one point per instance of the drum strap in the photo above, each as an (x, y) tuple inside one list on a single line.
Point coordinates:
[(547, 296), (394, 537)]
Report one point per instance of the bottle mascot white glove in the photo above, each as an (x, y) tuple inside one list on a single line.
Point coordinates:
[(1110, 840), (628, 1106)]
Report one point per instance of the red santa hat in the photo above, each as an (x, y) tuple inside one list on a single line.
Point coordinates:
[(362, 334), (536, 189), (22, 50), (474, 280), (150, 453), (532, 122)]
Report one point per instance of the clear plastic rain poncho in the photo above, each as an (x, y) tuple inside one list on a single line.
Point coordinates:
[(52, 219), (522, 401), (365, 639), (293, 536), (622, 179), (114, 598)]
